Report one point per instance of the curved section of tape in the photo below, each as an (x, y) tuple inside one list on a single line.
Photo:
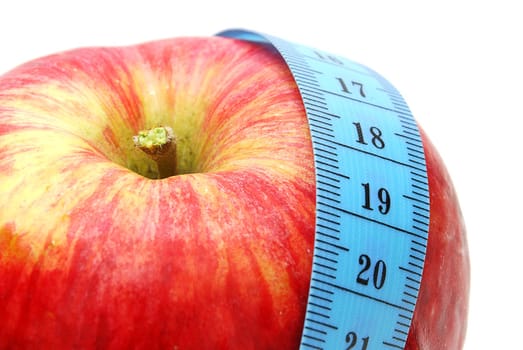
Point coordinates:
[(372, 214)]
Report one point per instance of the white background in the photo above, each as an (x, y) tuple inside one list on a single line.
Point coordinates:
[(458, 64)]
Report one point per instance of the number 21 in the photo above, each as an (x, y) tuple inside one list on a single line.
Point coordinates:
[(352, 340)]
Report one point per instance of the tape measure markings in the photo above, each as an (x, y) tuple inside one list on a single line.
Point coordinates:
[(322, 275), (321, 279), (369, 247)]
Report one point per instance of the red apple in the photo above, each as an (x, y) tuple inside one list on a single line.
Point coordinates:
[(97, 252)]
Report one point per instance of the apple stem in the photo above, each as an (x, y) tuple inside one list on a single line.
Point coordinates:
[(160, 145)]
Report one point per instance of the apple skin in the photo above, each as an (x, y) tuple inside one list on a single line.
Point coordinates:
[(95, 255), (440, 317)]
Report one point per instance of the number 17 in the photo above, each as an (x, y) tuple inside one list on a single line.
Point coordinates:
[(346, 90)]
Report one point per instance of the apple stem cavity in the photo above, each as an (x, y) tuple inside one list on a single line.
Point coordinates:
[(160, 145)]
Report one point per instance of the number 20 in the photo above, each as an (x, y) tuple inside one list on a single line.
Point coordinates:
[(379, 272)]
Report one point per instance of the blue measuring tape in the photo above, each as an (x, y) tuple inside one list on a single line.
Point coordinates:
[(372, 197)]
